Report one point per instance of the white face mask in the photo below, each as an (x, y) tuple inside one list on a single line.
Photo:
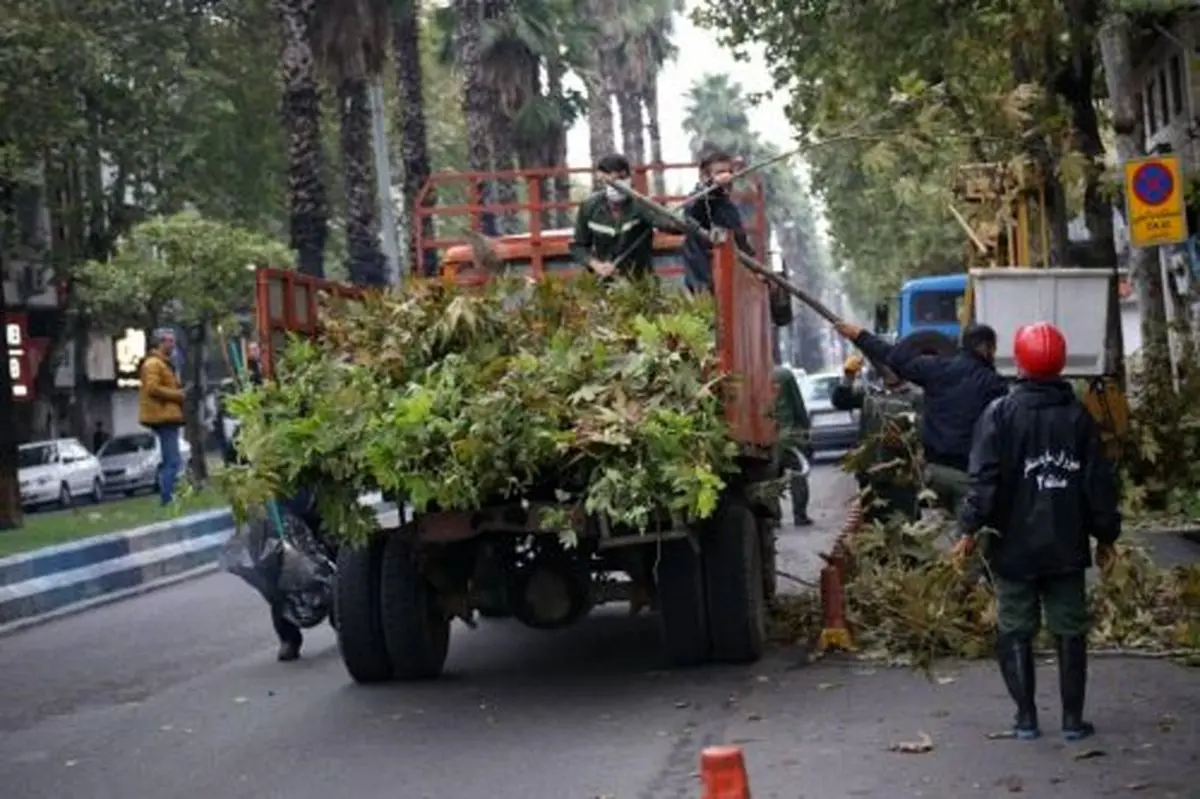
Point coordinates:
[(614, 194)]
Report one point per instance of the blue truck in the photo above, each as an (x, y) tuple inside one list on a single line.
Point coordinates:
[(932, 304)]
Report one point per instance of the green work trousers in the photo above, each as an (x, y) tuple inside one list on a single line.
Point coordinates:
[(1019, 605), (885, 499), (949, 484)]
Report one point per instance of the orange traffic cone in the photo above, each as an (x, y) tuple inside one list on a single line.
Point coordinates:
[(723, 770), (835, 635)]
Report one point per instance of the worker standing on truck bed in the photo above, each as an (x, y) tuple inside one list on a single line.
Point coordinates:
[(885, 419), (956, 387), (1040, 478), (716, 212), (795, 429), (613, 235)]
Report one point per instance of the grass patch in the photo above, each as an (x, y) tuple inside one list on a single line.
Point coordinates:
[(45, 529)]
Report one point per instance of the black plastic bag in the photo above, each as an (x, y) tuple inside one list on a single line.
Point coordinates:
[(299, 580)]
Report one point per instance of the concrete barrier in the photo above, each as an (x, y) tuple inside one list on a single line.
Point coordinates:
[(54, 581)]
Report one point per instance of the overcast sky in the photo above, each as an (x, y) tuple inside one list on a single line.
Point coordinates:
[(699, 53)]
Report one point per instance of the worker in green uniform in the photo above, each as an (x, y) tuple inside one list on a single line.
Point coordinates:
[(613, 235), (795, 428), (887, 417)]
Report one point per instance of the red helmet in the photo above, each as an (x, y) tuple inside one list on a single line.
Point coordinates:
[(1040, 350)]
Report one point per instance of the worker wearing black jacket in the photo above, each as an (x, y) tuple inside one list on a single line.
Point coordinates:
[(713, 211), (716, 212), (1040, 478), (956, 389)]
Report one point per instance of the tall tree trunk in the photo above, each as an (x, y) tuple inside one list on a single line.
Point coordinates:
[(1115, 38), (602, 126), (307, 198), (10, 488), (365, 259), (197, 339), (477, 113), (560, 187), (504, 157), (654, 132), (1077, 86), (629, 106), (414, 136)]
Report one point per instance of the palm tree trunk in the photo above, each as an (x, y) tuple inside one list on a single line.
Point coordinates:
[(650, 101), (504, 157), (477, 113), (307, 198), (414, 136), (629, 106), (365, 260), (602, 126), (559, 188)]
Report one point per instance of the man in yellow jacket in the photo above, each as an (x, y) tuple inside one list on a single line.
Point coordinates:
[(160, 407)]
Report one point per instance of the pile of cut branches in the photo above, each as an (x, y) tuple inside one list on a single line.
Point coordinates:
[(456, 398), (908, 603)]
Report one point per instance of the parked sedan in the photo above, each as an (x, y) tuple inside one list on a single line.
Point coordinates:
[(55, 472), (831, 429), (133, 462)]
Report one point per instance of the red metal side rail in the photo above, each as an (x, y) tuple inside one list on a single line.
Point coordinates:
[(540, 198), (287, 303), (744, 346)]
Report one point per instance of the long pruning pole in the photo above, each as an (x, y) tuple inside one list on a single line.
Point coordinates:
[(693, 227), (704, 192)]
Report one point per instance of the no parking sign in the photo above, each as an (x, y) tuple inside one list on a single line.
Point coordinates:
[(1154, 201)]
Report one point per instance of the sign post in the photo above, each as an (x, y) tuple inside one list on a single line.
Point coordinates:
[(1154, 201)]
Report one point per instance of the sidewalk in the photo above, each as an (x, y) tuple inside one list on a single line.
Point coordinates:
[(822, 731)]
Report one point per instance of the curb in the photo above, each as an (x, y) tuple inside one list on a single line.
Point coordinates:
[(61, 580)]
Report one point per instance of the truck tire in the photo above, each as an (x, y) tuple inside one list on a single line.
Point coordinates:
[(679, 575), (356, 607), (733, 581), (768, 546), (415, 629)]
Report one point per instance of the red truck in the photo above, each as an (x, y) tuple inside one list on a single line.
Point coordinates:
[(397, 595)]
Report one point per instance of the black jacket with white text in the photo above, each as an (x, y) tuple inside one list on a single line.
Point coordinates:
[(1040, 477)]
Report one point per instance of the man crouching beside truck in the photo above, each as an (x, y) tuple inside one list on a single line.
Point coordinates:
[(1040, 478)]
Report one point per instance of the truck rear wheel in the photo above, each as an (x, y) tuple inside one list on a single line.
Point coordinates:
[(415, 628), (357, 610), (768, 532), (733, 577), (679, 574)]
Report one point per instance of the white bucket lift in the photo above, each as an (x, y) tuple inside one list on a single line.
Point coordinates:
[(1076, 300)]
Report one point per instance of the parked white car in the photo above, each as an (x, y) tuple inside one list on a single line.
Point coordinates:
[(133, 462), (55, 472)]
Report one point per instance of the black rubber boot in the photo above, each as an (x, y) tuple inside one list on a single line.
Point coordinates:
[(1072, 687), (1015, 656), (288, 651), (290, 637)]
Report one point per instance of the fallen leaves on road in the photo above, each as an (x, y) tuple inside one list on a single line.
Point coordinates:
[(1090, 754), (919, 747)]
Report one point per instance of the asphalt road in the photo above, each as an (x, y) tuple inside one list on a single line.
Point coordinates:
[(176, 694)]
